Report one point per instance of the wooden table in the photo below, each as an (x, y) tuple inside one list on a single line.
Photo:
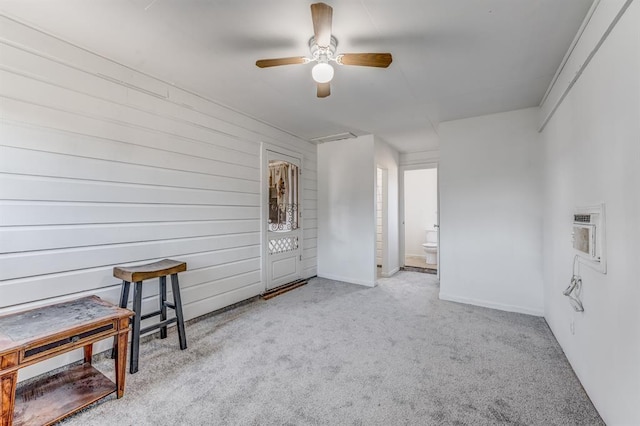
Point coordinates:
[(38, 334)]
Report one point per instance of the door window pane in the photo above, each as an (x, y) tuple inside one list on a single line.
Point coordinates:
[(283, 196)]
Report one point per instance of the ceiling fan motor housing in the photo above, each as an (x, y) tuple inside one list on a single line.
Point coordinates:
[(318, 52)]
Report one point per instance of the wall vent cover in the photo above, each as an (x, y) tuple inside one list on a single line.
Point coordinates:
[(333, 138), (582, 218)]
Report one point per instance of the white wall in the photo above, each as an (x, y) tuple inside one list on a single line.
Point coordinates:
[(101, 165), (419, 159), (592, 154), (420, 208), (346, 210), (378, 216), (387, 158), (491, 212)]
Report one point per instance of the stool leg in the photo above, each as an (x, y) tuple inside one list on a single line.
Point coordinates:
[(135, 339), (124, 294), (175, 287), (163, 307), (124, 298)]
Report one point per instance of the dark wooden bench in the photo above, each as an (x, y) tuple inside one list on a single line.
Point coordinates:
[(39, 334), (137, 274)]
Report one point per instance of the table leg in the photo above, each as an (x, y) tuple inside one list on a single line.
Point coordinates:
[(7, 402), (121, 361), (88, 353)]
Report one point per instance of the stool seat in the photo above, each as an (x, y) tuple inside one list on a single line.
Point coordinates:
[(150, 270), (138, 274)]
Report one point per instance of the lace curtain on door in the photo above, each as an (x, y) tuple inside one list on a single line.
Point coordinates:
[(283, 196)]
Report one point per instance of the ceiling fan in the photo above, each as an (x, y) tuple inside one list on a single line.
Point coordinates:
[(323, 50)]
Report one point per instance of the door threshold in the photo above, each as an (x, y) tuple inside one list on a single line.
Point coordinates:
[(277, 291), (418, 269)]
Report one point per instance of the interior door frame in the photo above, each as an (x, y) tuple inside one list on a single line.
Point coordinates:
[(264, 201), (384, 196), (401, 239)]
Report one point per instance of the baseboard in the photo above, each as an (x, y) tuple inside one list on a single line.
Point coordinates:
[(492, 305), (390, 273), (413, 255), (347, 280)]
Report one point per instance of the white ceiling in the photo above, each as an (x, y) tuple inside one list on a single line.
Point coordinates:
[(451, 59)]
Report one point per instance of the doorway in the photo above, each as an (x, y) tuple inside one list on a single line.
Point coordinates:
[(379, 232), (283, 228), (382, 225), (421, 229)]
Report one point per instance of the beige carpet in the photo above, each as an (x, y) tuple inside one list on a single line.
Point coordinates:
[(330, 353)]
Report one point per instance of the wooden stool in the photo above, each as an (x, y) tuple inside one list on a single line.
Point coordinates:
[(137, 274)]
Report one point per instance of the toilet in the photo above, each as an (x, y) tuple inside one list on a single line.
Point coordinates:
[(431, 247)]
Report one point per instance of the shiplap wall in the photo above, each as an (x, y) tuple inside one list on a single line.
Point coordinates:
[(102, 165)]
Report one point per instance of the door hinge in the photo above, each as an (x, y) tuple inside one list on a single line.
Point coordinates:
[(300, 257)]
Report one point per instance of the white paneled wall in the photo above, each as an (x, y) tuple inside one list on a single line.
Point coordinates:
[(101, 165)]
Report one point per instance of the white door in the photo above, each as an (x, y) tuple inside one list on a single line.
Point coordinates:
[(283, 220)]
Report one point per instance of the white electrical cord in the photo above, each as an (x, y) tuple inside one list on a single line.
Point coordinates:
[(574, 289)]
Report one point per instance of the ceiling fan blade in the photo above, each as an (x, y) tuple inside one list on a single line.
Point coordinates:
[(265, 63), (324, 90), (380, 60), (322, 15)]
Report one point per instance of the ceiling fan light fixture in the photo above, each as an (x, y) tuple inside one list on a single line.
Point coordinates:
[(322, 72), (322, 46)]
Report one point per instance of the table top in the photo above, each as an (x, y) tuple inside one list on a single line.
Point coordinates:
[(21, 328)]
